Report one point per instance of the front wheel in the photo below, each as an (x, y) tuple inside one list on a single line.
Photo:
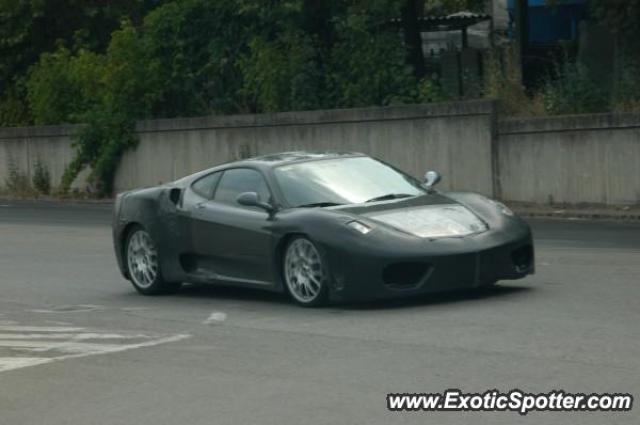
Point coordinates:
[(305, 273), (144, 266)]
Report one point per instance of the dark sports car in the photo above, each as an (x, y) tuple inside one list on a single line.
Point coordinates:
[(320, 226)]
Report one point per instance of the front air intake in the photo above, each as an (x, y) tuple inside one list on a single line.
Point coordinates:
[(522, 258), (405, 275)]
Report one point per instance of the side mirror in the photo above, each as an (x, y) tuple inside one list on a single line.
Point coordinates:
[(431, 178), (252, 199)]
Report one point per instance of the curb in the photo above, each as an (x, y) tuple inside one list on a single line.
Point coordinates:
[(579, 215), (62, 201)]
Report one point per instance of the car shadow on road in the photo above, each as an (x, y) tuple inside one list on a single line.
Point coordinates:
[(255, 295), (231, 293), (425, 300)]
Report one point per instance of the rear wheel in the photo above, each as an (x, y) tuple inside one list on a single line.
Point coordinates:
[(144, 266), (305, 273)]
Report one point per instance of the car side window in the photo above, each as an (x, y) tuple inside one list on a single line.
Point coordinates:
[(205, 186), (240, 180)]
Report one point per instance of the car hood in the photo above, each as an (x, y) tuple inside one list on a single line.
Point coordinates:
[(428, 216)]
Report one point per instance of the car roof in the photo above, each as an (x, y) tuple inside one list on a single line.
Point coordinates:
[(273, 160), (277, 159)]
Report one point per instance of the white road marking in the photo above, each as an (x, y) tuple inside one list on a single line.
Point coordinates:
[(39, 329), (65, 346), (19, 344), (80, 308), (10, 363), (75, 337), (215, 317)]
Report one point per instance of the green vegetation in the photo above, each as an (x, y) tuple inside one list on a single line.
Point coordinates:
[(570, 87), (503, 81), (108, 64), (16, 182), (41, 178)]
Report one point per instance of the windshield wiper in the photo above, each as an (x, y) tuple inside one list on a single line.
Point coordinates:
[(389, 196), (319, 204)]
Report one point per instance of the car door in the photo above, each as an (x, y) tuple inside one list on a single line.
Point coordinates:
[(234, 242)]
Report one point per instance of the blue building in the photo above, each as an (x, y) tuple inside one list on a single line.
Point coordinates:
[(549, 25)]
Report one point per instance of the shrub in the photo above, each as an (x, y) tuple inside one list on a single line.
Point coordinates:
[(503, 81), (17, 182), (13, 109), (572, 90), (41, 178), (62, 86), (430, 90), (114, 90), (626, 86)]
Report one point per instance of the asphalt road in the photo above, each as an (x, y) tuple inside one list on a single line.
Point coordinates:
[(78, 346)]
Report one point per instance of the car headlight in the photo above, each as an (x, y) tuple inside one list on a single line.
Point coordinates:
[(360, 227), (502, 207)]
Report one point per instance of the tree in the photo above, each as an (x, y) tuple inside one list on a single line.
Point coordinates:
[(282, 74), (411, 14), (108, 92), (30, 28), (367, 67), (622, 18), (447, 7), (61, 86), (196, 57), (196, 43)]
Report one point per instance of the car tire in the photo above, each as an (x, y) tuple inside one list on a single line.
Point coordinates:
[(305, 273), (143, 264)]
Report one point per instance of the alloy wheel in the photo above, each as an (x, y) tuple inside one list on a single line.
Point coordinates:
[(304, 273), (142, 259)]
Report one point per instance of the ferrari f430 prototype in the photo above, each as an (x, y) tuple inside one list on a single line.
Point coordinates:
[(319, 226)]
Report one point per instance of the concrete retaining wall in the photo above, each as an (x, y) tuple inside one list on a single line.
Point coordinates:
[(572, 159), (23, 147), (454, 138)]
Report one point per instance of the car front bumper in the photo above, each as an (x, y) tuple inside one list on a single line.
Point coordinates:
[(430, 266)]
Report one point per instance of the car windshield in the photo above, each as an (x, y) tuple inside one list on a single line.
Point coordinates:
[(343, 181)]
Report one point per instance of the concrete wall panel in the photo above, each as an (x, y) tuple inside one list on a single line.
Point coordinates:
[(570, 159), (414, 138), (573, 159)]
